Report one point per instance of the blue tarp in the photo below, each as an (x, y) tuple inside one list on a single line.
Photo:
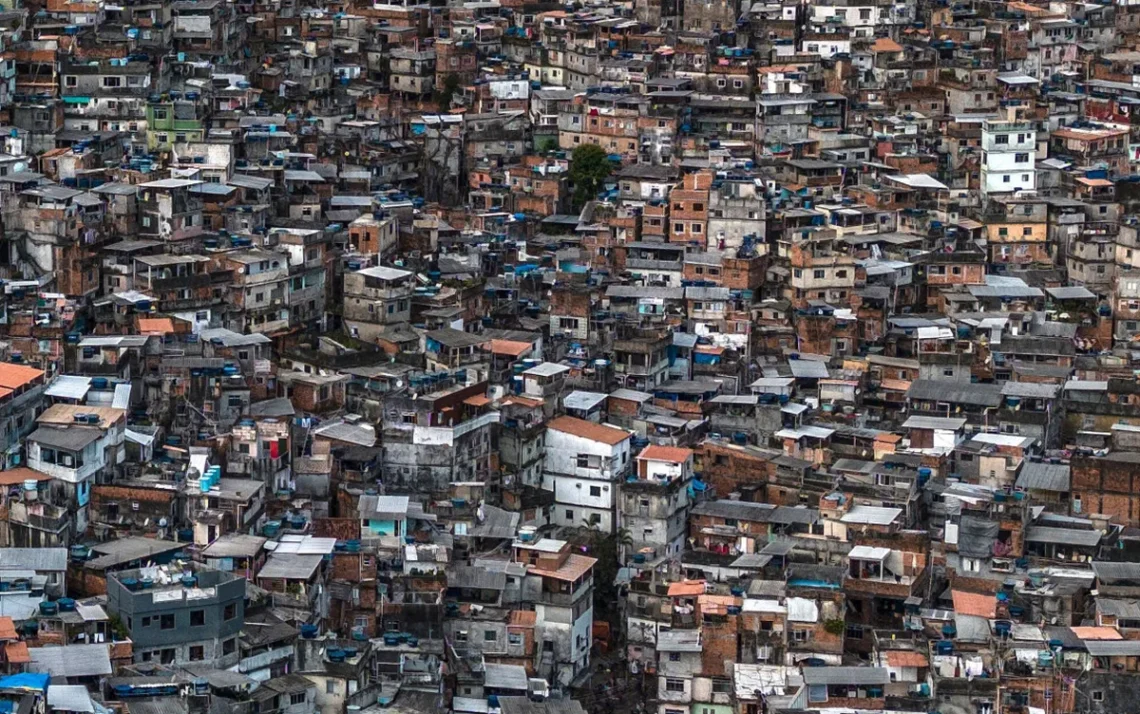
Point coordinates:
[(29, 680)]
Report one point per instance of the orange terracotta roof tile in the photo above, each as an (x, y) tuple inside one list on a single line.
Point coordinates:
[(904, 658), (974, 604), (687, 588), (717, 604), (478, 400), (575, 567), (525, 401), (17, 653), (898, 385), (1097, 633), (886, 44), (20, 474), (672, 454), (508, 347), (588, 430), (156, 326), (7, 629), (14, 376), (1094, 182), (523, 618)]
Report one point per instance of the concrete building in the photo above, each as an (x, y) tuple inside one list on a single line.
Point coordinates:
[(179, 616), (1009, 157), (584, 463), (375, 298), (655, 501), (561, 585)]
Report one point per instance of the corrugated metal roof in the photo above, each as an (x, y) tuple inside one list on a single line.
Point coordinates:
[(1113, 648), (38, 559), (122, 398), (807, 369), (291, 566), (69, 698), (68, 386), (1110, 573), (71, 661), (505, 676), (1124, 609), (1044, 477), (814, 676), (871, 515), (1063, 536)]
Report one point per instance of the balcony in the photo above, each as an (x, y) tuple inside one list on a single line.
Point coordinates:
[(99, 368), (645, 264), (197, 280), (641, 370), (40, 516)]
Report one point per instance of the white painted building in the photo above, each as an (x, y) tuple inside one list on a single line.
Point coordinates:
[(561, 586), (77, 446), (1008, 156), (655, 505), (582, 466)]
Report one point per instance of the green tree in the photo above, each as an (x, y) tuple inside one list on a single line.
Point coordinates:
[(606, 547), (589, 169), (443, 94)]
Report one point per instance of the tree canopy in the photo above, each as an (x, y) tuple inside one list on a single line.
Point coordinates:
[(589, 168)]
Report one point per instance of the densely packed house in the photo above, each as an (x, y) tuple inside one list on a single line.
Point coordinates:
[(510, 357)]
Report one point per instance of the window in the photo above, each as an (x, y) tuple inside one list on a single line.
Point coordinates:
[(1098, 695), (514, 638), (818, 274), (678, 227), (197, 653), (146, 622), (674, 656), (330, 686), (167, 622), (1000, 138), (298, 698), (696, 228), (490, 636), (112, 81), (589, 461), (229, 646), (1021, 158), (596, 491), (569, 514), (197, 618), (1005, 179), (674, 685), (1027, 231)]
